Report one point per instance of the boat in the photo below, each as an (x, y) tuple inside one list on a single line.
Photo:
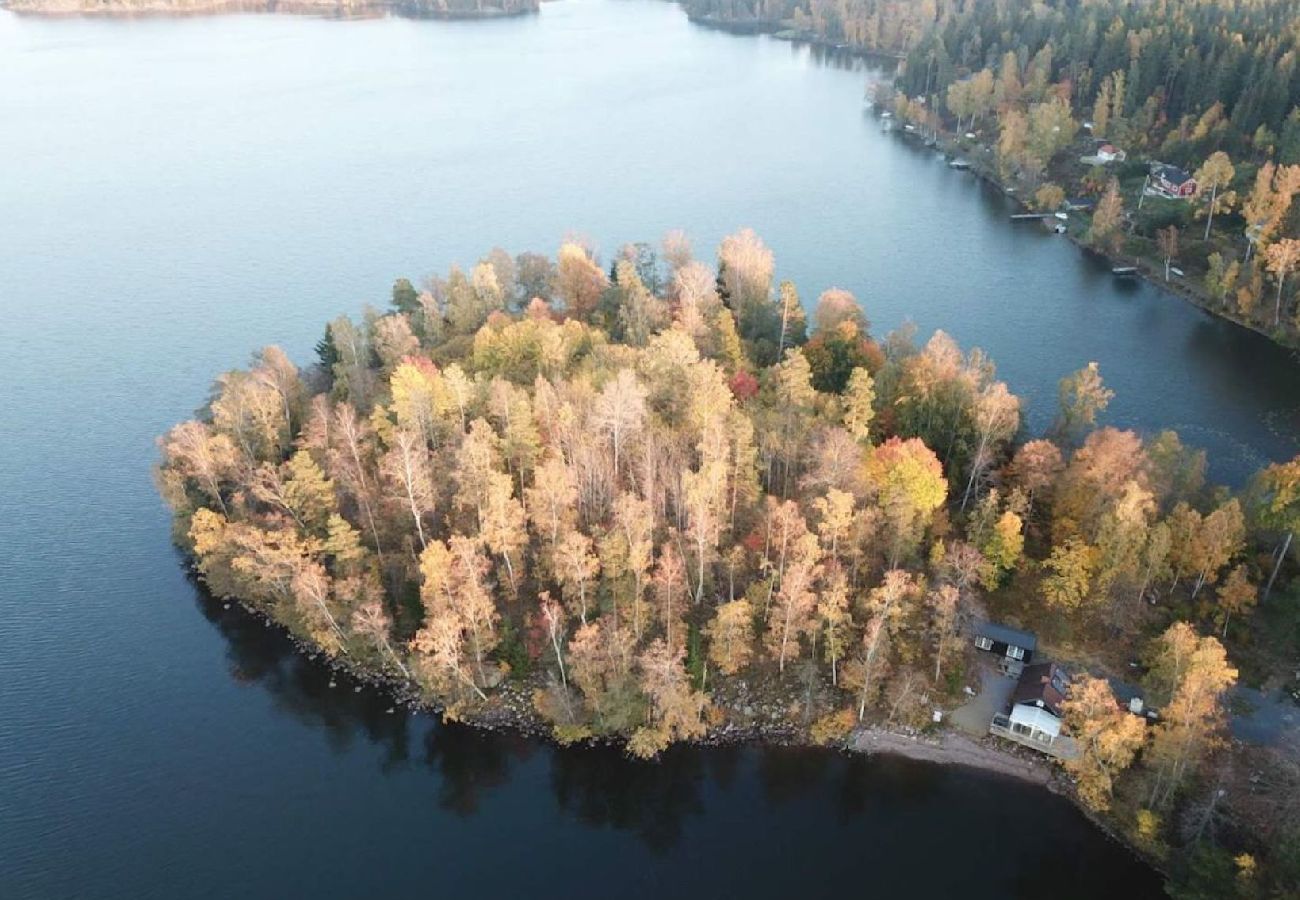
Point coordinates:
[(1125, 271), (1062, 216), (959, 164), (1176, 271)]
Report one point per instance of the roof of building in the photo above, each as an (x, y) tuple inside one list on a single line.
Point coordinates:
[(1171, 174), (1044, 685), (1039, 719), (1005, 634)]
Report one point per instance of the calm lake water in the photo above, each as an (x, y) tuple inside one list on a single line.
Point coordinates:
[(176, 192)]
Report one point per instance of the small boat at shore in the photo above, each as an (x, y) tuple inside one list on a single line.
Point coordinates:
[(1125, 271), (960, 165)]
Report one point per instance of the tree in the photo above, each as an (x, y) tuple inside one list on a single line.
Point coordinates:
[(577, 567), (696, 294), (208, 459), (834, 620), (601, 661), (1068, 582), (1106, 229), (441, 648), (251, 413), (579, 281), (859, 404), (1107, 735), (535, 277), (1193, 674), (745, 267), (1051, 130), (1035, 468), (1236, 596), (1005, 544), (703, 502), (393, 341), (1267, 205), (944, 603), (406, 468), (1049, 197), (997, 419), (350, 454), (1083, 396), (1014, 131), (671, 592), (1282, 258), (503, 530), (791, 616), (1277, 505), (1215, 174), (886, 606), (342, 545), (553, 498), (553, 618), (620, 411), (1167, 241), (1218, 540), (674, 711), (371, 623), (314, 602), (298, 488), (907, 479), (731, 636)]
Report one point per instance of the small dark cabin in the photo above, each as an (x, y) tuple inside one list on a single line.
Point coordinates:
[(1016, 647)]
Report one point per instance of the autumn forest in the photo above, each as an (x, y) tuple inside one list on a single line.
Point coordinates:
[(652, 493)]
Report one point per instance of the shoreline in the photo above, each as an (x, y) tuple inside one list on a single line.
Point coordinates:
[(784, 31), (510, 706), (341, 10), (951, 747), (511, 710), (1149, 273)]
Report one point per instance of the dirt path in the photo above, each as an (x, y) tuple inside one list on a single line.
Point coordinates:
[(952, 748)]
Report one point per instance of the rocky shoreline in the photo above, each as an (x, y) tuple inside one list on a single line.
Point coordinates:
[(510, 708)]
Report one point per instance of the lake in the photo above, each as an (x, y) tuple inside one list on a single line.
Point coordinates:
[(177, 192)]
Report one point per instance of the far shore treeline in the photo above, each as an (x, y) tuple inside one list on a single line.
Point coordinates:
[(1030, 93), (662, 501)]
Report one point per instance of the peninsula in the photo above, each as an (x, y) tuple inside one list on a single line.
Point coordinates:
[(654, 501)]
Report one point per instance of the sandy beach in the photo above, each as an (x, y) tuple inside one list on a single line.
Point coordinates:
[(952, 748)]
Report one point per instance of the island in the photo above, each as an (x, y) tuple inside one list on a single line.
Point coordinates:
[(439, 9), (656, 501)]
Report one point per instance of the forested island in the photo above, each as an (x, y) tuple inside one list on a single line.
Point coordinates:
[(662, 504), (1168, 132), (441, 9)]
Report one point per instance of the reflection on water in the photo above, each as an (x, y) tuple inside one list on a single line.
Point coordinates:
[(810, 802)]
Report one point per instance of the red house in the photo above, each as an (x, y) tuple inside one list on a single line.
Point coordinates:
[(1172, 181)]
